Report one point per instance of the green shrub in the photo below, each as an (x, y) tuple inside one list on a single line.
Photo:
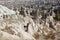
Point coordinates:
[(57, 17)]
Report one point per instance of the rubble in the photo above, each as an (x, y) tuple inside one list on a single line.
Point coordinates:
[(20, 27)]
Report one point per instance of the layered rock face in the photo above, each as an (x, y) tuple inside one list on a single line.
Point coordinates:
[(19, 27)]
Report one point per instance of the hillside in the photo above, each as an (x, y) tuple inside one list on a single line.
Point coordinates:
[(19, 27)]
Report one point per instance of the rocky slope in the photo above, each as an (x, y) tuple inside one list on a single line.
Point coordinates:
[(18, 27)]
